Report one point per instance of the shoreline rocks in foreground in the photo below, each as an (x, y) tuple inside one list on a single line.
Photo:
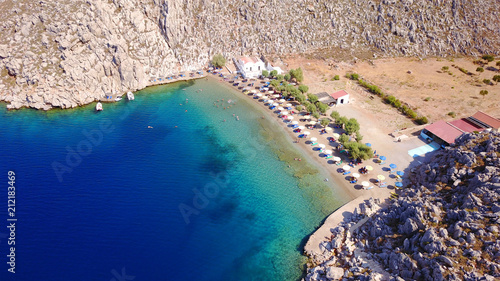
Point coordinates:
[(445, 226)]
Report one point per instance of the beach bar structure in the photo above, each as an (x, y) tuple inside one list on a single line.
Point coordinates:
[(325, 98), (250, 67), (340, 97), (445, 133)]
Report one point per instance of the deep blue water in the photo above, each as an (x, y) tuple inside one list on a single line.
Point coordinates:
[(98, 195)]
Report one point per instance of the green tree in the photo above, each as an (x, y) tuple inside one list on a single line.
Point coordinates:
[(303, 88), (335, 115), (312, 98), (265, 73), (287, 77), (322, 107), (486, 81), (316, 115), (289, 88), (311, 108), (325, 122), (496, 78), (300, 98), (352, 126), (343, 139), (274, 73), (483, 93), (488, 58), (498, 63), (218, 60), (274, 83), (297, 74), (480, 69), (299, 107), (359, 137), (342, 120), (279, 77)]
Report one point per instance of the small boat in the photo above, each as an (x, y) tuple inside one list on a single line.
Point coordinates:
[(98, 106), (118, 98), (130, 96)]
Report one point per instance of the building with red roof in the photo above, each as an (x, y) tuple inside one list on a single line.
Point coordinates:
[(441, 132), (340, 97), (485, 121), (250, 67)]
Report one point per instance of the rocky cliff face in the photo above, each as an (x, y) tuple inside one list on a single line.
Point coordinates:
[(445, 227), (68, 53)]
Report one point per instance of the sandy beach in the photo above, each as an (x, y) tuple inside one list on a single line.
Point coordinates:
[(374, 131)]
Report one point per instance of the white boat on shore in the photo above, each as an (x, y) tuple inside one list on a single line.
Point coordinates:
[(118, 98), (98, 106), (130, 96)]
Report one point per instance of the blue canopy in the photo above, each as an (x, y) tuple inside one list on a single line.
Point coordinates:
[(382, 158), (400, 173), (399, 184), (368, 144), (393, 166)]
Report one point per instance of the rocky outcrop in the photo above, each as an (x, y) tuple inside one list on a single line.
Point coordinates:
[(444, 227), (67, 53)]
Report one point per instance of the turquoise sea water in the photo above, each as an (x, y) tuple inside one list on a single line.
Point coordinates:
[(100, 196)]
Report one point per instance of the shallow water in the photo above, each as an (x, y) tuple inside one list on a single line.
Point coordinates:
[(114, 209)]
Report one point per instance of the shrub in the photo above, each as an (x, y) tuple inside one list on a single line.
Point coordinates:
[(297, 74), (353, 76), (312, 98), (274, 73), (445, 68), (427, 99), (300, 98), (343, 139), (279, 77), (218, 60), (463, 70), (322, 107), (496, 78), (325, 122), (336, 77), (265, 73), (412, 114), (299, 107), (486, 81), (488, 58), (422, 120), (483, 93), (452, 114), (335, 115), (316, 115), (287, 77), (480, 69), (341, 120), (311, 108), (498, 63)]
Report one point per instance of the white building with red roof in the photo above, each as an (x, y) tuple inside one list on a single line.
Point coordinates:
[(340, 97), (250, 67)]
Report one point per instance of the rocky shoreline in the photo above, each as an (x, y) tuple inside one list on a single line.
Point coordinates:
[(445, 226), (69, 53)]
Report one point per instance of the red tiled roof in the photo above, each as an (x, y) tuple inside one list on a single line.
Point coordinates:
[(488, 120), (246, 60), (444, 131), (339, 94), (465, 125)]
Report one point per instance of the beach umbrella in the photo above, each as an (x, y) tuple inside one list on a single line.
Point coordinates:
[(382, 158), (393, 166), (399, 184), (282, 100), (314, 139), (380, 177), (328, 129), (275, 104), (356, 175), (400, 173), (288, 104), (259, 95), (321, 145), (276, 96), (280, 108), (290, 117), (253, 91), (365, 183), (368, 144), (307, 117), (328, 152), (369, 168), (312, 122), (295, 122), (271, 92), (336, 136), (307, 133), (336, 159), (346, 167), (284, 113), (302, 127)]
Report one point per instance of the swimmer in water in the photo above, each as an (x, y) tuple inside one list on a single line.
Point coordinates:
[(224, 120), (233, 114)]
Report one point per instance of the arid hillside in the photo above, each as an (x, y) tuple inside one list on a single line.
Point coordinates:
[(69, 53)]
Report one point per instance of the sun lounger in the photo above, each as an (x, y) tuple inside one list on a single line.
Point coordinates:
[(346, 173), (368, 188), (314, 143), (328, 157), (384, 184)]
